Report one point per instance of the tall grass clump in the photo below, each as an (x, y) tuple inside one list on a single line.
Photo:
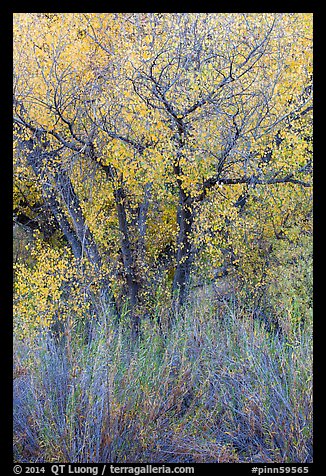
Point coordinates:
[(217, 387)]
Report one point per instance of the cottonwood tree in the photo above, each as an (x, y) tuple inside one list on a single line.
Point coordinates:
[(138, 126)]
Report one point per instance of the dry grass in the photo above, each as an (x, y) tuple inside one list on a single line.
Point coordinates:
[(217, 388)]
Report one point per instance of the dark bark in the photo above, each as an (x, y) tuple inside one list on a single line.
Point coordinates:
[(184, 251), (34, 159), (78, 236), (185, 218), (128, 260), (127, 251), (85, 237)]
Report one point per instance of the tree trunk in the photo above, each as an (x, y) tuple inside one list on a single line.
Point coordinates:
[(184, 251), (79, 237), (128, 261)]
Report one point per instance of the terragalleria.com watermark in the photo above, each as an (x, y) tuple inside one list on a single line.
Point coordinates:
[(58, 469)]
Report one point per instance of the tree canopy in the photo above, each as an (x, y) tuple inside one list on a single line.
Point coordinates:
[(158, 149)]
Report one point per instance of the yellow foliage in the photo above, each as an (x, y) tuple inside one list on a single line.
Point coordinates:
[(50, 291)]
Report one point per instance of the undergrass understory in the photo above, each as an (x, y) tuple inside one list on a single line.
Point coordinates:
[(217, 387)]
